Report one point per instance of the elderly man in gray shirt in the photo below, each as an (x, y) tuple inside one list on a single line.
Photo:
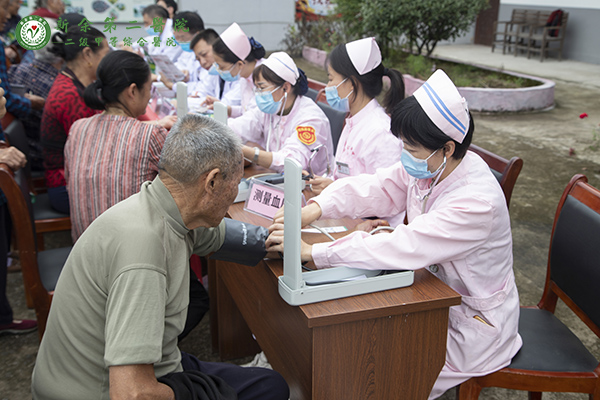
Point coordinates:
[(122, 297)]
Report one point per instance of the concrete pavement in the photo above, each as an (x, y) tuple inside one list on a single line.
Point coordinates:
[(565, 70)]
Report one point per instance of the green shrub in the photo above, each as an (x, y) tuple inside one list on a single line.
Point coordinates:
[(323, 33), (293, 42), (419, 23)]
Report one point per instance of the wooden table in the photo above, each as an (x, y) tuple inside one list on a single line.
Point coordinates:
[(384, 345)]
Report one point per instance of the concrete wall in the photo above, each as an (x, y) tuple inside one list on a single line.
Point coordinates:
[(266, 20), (583, 27)]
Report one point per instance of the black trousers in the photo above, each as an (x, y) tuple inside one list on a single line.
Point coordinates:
[(250, 383), (199, 305)]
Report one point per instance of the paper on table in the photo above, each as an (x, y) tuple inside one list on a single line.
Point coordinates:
[(166, 67), (195, 105)]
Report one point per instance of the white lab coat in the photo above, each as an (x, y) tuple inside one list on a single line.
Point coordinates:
[(173, 52), (366, 143), (187, 61), (293, 135), (462, 233), (247, 95), (195, 83), (210, 86)]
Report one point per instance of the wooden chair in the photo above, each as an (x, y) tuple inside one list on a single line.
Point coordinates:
[(40, 269), (508, 34), (540, 37), (552, 358), (506, 171), (517, 30), (315, 85), (46, 218), (533, 19)]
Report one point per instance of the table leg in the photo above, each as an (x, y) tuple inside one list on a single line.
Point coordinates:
[(233, 337)]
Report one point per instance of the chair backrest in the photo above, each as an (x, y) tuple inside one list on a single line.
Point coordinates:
[(312, 94), (316, 85), (20, 214), (573, 273), (519, 15), (337, 120), (506, 171)]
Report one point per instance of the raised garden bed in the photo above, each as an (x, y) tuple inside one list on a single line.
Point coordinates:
[(537, 93)]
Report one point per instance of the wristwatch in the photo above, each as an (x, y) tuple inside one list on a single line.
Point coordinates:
[(256, 152)]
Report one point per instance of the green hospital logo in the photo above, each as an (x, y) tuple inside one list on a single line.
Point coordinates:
[(33, 32)]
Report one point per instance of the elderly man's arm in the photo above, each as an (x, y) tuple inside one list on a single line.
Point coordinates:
[(243, 243), (137, 382)]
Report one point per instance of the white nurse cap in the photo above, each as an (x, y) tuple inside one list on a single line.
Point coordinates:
[(283, 65), (364, 54), (236, 40), (444, 105)]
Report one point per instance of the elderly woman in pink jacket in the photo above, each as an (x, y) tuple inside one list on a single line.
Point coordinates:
[(459, 228), (356, 74)]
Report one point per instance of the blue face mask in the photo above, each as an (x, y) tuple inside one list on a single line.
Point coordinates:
[(213, 70), (266, 103), (151, 32), (185, 46), (417, 167), (226, 75), (334, 100)]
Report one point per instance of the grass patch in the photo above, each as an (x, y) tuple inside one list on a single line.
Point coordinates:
[(421, 67), (462, 75)]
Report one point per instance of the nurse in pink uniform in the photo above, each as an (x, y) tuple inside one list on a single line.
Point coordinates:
[(459, 228), (284, 123), (236, 56), (355, 78)]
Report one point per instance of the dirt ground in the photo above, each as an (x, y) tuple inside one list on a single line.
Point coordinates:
[(554, 145)]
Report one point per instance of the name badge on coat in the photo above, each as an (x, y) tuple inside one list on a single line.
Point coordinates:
[(342, 168)]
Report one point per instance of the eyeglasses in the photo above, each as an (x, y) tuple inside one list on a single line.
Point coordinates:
[(258, 90), (223, 70)]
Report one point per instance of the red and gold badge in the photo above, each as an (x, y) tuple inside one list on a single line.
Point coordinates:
[(306, 134)]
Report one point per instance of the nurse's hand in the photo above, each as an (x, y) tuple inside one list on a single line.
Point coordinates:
[(310, 214), (318, 183), (209, 101), (274, 243), (370, 224)]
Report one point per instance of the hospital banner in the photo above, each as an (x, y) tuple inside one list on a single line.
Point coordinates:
[(313, 9)]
